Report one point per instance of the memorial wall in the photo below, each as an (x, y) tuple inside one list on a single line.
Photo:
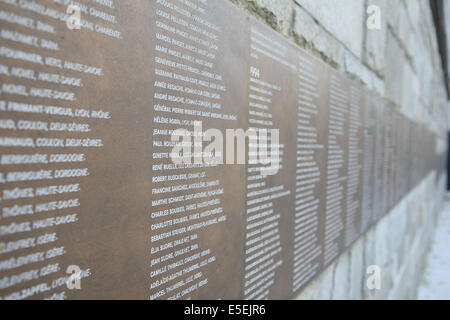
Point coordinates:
[(87, 180)]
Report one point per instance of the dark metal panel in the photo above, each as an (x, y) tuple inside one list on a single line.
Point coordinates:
[(310, 178), (272, 105), (368, 186), (94, 215), (336, 173), (108, 97), (200, 75), (355, 166), (379, 158)]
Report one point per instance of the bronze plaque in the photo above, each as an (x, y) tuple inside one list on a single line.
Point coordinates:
[(272, 102), (310, 178), (378, 160), (75, 158), (88, 113), (386, 177), (369, 153)]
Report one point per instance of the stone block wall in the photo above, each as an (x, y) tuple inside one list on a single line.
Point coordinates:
[(401, 63)]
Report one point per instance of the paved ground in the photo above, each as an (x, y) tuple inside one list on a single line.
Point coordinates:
[(436, 282)]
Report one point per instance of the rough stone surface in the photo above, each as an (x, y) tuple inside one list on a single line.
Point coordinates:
[(307, 32), (338, 17)]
